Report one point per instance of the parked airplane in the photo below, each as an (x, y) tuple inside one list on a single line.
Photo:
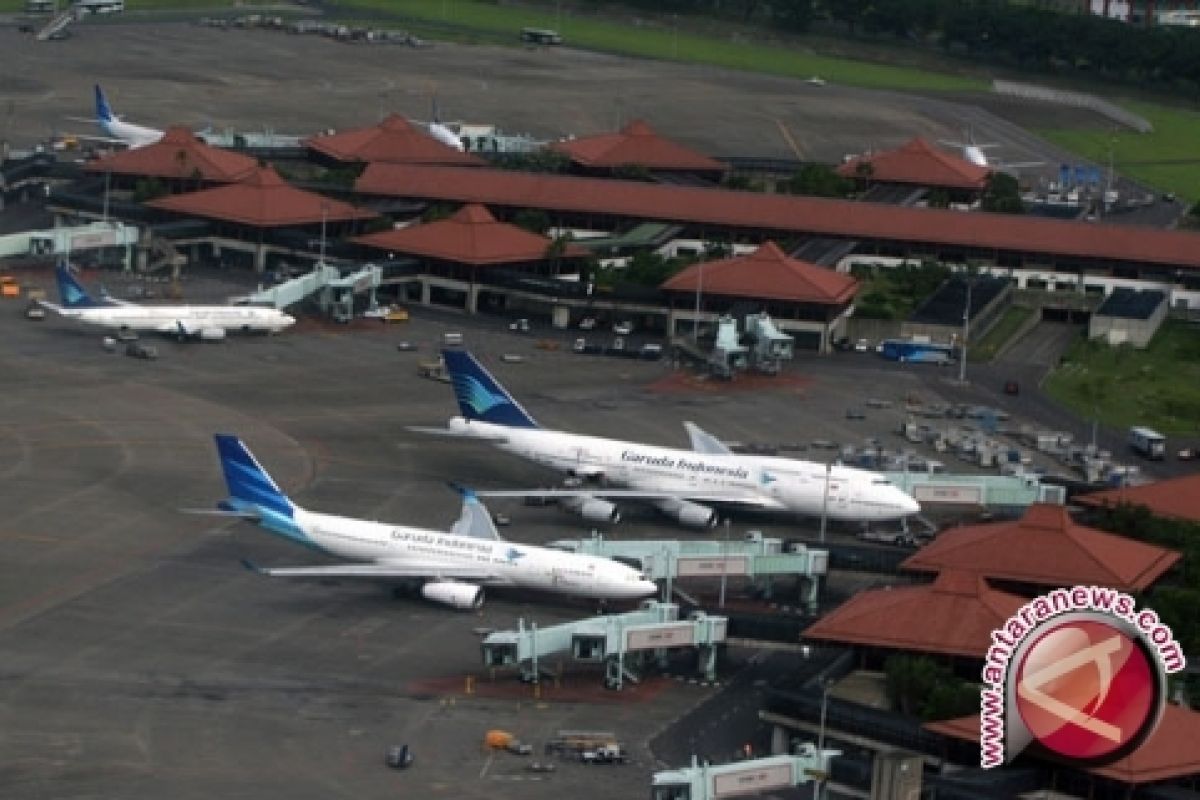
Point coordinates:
[(453, 567), (680, 483), (116, 130), (206, 322)]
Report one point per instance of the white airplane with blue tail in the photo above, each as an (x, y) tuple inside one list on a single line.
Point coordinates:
[(453, 567), (680, 483)]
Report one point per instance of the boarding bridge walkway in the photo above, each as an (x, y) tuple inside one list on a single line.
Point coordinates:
[(1012, 492), (742, 778), (755, 557), (63, 241), (620, 641), (335, 292)]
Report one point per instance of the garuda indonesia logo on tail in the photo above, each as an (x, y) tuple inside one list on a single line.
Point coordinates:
[(476, 396)]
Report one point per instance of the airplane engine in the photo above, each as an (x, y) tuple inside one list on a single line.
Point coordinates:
[(693, 515), (212, 334), (456, 595), (594, 510)]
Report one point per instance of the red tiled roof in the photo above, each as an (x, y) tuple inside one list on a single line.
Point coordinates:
[(955, 615), (263, 200), (919, 163), (1174, 497), (395, 140), (1046, 547), (768, 272), (636, 144), (177, 155), (470, 236), (1169, 752), (813, 216)]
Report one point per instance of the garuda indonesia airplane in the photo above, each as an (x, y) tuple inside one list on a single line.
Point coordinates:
[(680, 483)]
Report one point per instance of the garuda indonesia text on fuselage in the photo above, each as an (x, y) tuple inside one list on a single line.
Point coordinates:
[(204, 322), (453, 567), (680, 483)]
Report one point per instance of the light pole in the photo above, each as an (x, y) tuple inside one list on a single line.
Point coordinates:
[(699, 289), (724, 563), (820, 788), (825, 499), (962, 355), (324, 217)]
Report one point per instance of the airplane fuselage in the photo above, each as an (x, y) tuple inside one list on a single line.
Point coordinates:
[(511, 565), (193, 319), (133, 135), (756, 481)]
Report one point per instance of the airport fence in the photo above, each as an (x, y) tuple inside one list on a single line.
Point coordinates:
[(1063, 97)]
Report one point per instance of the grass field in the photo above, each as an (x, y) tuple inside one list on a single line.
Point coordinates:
[(985, 348), (1158, 387), (1166, 158), (659, 40)]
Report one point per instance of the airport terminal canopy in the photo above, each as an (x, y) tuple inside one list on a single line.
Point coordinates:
[(1046, 548), (637, 144), (1176, 498), (395, 140), (766, 274), (955, 615), (918, 163), (1169, 752), (471, 236), (262, 200), (178, 155), (1015, 238)]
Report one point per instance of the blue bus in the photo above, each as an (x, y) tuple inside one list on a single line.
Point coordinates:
[(906, 350)]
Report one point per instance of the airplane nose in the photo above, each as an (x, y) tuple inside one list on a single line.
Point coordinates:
[(910, 505), (646, 588), (288, 319)]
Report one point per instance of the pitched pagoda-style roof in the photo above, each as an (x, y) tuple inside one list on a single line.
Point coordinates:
[(471, 236), (955, 615), (1046, 547), (1175, 497), (636, 145), (263, 200), (920, 163), (178, 155), (1169, 752), (767, 273), (395, 140)]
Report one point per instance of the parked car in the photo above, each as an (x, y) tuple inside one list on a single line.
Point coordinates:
[(1012, 387), (623, 328), (862, 346), (587, 323), (35, 311), (519, 326)]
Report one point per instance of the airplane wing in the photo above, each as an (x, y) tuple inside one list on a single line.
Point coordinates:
[(748, 501), (706, 443), (459, 434), (1021, 165), (432, 571)]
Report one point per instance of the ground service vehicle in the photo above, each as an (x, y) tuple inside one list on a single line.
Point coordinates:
[(1150, 444)]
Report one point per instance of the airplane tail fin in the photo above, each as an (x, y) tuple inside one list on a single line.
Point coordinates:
[(103, 110), (250, 487), (70, 292), (480, 396)]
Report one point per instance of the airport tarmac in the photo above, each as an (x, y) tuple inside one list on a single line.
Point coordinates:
[(141, 659), (160, 74)]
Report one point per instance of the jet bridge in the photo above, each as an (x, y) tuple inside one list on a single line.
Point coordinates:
[(755, 557), (769, 346), (68, 239), (335, 293), (755, 776), (621, 641)]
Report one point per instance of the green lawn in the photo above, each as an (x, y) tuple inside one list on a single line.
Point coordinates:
[(1158, 387), (985, 348), (659, 41), (1146, 157)]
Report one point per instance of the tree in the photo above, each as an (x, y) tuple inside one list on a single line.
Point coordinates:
[(920, 686), (647, 268), (817, 180), (938, 198), (437, 211), (533, 220), (793, 15), (1002, 194)]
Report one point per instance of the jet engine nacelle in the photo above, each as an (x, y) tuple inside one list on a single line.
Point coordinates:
[(457, 595), (691, 514), (212, 334), (594, 510)]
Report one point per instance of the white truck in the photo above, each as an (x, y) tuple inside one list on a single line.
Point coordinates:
[(1150, 444)]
